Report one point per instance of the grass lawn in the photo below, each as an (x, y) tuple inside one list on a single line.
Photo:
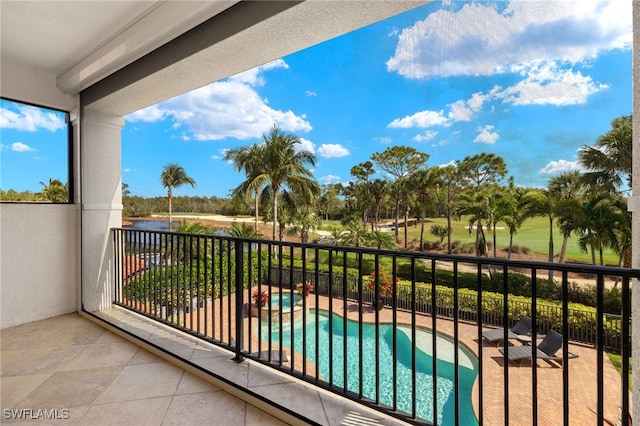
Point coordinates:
[(533, 234), (616, 360)]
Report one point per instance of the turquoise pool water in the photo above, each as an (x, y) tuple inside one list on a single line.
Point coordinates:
[(286, 300), (424, 377)]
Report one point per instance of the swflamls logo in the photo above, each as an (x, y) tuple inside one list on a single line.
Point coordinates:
[(35, 414)]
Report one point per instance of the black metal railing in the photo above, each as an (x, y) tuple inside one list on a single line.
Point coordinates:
[(419, 357)]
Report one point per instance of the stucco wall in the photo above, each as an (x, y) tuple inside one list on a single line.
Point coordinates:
[(39, 268)]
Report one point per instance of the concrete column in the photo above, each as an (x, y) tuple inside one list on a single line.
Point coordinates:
[(634, 207), (101, 198)]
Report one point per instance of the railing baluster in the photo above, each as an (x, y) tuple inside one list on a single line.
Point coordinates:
[(534, 346), (479, 322), (599, 348), (625, 339), (565, 347)]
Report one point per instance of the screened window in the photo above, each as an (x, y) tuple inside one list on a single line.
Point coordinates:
[(35, 154)]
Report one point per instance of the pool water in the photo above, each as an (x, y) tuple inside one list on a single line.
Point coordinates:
[(286, 300), (467, 369)]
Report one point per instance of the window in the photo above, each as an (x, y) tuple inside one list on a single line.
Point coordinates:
[(35, 150)]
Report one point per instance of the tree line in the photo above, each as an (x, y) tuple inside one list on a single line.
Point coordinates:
[(279, 188)]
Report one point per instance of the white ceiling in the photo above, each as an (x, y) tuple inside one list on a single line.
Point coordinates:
[(84, 42)]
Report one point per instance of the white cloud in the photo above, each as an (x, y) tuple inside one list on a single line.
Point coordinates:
[(329, 179), (305, 145), (426, 136), (480, 39), (228, 108), (310, 93), (546, 84), (30, 119), (422, 119), (560, 166), (330, 150), (485, 135), (21, 147)]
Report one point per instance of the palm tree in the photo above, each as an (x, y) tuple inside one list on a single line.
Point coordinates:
[(570, 188), (305, 220), (248, 158), (610, 160), (475, 205), (173, 176), (242, 230), (283, 166), (55, 191), (597, 227), (356, 234)]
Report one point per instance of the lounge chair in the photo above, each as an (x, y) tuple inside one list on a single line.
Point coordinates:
[(496, 335), (546, 350)]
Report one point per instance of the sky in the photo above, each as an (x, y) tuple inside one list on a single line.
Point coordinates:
[(530, 81)]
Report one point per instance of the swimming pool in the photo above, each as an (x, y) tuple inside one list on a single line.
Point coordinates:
[(424, 379), (286, 300)]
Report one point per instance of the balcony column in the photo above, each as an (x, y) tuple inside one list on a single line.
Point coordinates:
[(101, 198), (634, 208)]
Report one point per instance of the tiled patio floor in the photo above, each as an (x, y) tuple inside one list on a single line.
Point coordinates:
[(71, 363), (85, 375)]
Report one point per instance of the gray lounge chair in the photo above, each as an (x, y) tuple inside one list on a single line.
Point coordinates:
[(496, 335), (546, 350)]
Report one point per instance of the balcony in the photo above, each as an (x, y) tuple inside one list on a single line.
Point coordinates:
[(219, 344), (188, 283)]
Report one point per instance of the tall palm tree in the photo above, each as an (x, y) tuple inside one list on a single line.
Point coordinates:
[(249, 158), (283, 167), (173, 176)]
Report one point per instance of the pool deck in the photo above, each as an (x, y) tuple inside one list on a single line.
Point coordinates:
[(582, 371)]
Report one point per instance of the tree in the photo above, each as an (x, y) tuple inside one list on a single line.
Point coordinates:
[(475, 205), (378, 190), (400, 162), (570, 191), (249, 158), (55, 191), (305, 220), (447, 189), (597, 226), (482, 170), (283, 167), (173, 176), (609, 162), (421, 183), (242, 230)]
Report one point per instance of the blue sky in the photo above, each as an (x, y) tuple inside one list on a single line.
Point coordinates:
[(531, 81)]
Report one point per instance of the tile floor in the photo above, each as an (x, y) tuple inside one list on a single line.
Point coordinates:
[(84, 374)]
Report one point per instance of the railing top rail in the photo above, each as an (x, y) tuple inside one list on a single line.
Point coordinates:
[(511, 263)]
